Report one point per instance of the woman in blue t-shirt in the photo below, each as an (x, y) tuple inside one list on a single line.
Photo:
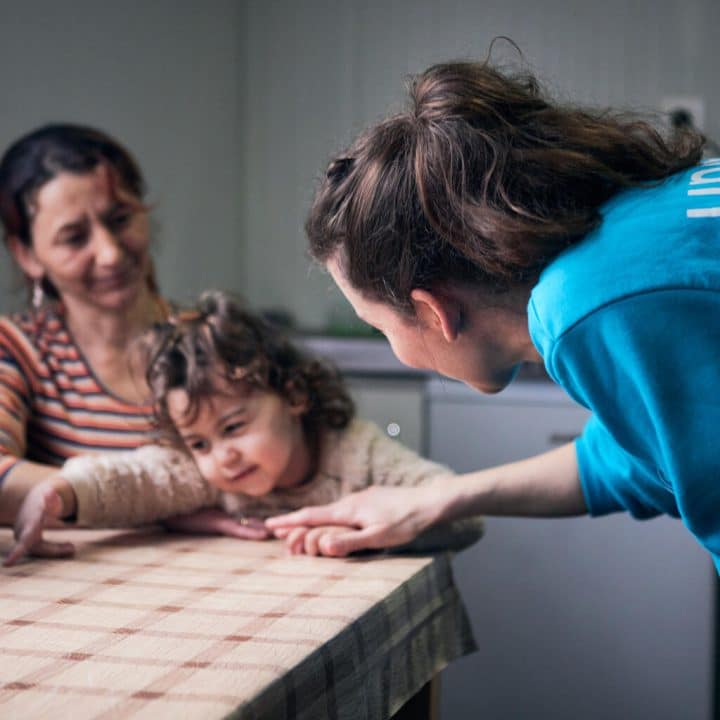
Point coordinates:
[(487, 227)]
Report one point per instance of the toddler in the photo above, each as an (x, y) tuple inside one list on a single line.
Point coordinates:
[(251, 427)]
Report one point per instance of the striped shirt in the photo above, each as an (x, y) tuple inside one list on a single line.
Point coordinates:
[(52, 406)]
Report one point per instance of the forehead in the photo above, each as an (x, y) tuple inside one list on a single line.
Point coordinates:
[(187, 414), (67, 194)]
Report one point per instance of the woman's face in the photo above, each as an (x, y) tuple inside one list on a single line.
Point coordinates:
[(90, 239), (485, 355), (406, 338)]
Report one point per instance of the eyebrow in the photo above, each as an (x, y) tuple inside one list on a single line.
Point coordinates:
[(240, 410), (72, 225)]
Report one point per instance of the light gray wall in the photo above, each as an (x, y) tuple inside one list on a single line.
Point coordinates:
[(234, 107), (318, 71), (163, 77)]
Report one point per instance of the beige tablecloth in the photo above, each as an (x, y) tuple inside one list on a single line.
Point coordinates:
[(142, 624)]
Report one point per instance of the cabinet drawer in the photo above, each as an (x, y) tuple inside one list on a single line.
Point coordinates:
[(469, 436)]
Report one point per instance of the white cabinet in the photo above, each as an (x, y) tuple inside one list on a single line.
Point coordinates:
[(385, 391), (575, 618), (396, 404)]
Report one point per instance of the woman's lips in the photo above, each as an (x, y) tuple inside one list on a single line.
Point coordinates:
[(114, 281)]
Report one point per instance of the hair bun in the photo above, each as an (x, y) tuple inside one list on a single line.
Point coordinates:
[(339, 168)]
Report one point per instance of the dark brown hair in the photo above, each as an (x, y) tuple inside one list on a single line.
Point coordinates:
[(220, 340), (39, 156), (483, 180)]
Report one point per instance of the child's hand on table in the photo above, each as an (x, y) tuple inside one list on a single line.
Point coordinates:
[(46, 504), (217, 522), (310, 540)]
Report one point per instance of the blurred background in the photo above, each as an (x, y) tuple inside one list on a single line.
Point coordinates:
[(233, 107)]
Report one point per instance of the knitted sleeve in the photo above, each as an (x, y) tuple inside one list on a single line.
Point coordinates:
[(393, 464), (137, 487)]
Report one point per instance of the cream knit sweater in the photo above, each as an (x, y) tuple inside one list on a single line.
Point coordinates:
[(152, 483)]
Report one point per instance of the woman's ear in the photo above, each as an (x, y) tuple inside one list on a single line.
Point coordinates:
[(438, 310), (25, 257)]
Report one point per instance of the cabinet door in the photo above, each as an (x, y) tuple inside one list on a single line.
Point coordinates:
[(575, 618), (396, 404), (470, 436)]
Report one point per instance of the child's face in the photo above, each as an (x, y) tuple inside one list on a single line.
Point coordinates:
[(243, 441)]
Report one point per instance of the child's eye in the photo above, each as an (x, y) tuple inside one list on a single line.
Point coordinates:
[(234, 427), (197, 446)]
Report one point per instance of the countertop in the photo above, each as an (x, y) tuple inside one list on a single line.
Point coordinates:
[(358, 355), (374, 356)]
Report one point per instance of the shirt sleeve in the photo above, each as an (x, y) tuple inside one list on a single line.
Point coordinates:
[(392, 463), (136, 487), (15, 400), (612, 480), (648, 368)]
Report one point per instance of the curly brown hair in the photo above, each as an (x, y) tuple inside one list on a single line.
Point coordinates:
[(221, 340), (483, 180)]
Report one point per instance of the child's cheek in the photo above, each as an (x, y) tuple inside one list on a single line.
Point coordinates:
[(207, 468)]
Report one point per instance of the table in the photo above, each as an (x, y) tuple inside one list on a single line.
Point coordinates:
[(145, 624)]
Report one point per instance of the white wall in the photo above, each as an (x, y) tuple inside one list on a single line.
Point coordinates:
[(318, 71), (163, 76), (234, 107)]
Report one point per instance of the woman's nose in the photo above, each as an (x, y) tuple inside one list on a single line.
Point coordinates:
[(108, 249)]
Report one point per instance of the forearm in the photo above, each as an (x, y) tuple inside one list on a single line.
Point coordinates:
[(135, 487), (546, 485), (18, 482), (379, 517)]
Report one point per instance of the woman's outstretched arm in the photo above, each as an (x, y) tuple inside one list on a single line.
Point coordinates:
[(546, 485)]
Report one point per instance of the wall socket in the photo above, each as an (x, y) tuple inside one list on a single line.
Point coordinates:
[(692, 103)]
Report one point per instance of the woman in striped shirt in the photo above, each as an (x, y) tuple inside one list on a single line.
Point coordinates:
[(74, 220)]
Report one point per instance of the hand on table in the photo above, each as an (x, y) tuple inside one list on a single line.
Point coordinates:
[(307, 540), (217, 522), (42, 507), (378, 517)]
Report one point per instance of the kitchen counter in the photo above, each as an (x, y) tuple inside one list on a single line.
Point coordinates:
[(359, 355), (374, 356)]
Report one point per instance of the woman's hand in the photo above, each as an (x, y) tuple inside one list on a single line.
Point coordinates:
[(307, 540), (43, 506), (217, 522), (378, 517)]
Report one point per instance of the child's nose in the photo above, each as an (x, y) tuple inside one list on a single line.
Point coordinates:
[(227, 454)]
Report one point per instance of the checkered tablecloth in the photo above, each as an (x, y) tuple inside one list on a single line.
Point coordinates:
[(142, 624)]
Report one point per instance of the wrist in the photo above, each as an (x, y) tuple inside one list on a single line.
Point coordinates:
[(440, 502), (458, 497), (67, 496)]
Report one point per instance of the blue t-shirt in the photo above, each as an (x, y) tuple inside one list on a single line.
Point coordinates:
[(628, 322)]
